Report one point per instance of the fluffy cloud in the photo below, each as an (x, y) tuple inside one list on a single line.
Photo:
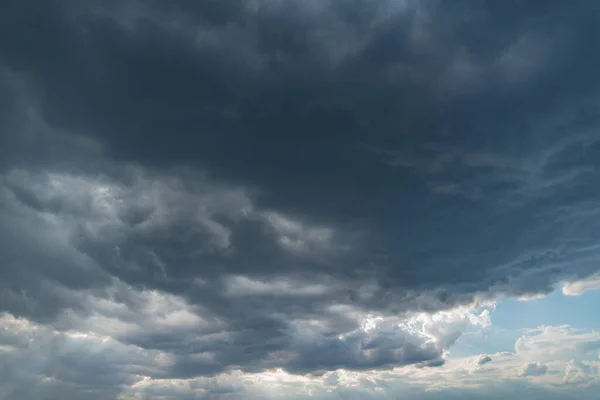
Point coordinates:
[(577, 288), (533, 369), (483, 359), (73, 363), (211, 196), (147, 345), (38, 358)]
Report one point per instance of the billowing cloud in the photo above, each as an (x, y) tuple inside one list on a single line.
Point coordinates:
[(205, 195), (72, 363), (533, 369)]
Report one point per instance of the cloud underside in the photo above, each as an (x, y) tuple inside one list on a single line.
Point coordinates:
[(191, 191), (550, 362)]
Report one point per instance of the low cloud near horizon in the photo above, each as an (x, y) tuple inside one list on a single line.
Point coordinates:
[(294, 199)]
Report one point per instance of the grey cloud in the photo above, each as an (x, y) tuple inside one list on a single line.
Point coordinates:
[(384, 347), (260, 163), (39, 362), (483, 359), (342, 183), (39, 359)]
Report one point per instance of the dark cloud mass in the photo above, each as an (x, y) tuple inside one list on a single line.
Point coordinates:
[(219, 185)]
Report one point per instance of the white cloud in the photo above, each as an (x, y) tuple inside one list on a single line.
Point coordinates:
[(445, 327), (577, 288), (379, 340), (243, 286), (534, 297), (40, 355), (550, 359), (550, 343), (581, 372), (533, 369)]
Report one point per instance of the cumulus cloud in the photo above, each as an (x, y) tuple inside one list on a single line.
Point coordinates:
[(581, 372), (533, 369), (149, 343), (37, 358), (211, 194), (74, 362)]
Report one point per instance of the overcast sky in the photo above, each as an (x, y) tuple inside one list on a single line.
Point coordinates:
[(299, 199)]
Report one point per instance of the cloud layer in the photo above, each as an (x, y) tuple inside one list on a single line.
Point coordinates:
[(549, 362), (202, 192)]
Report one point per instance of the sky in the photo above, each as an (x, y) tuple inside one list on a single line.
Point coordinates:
[(299, 199)]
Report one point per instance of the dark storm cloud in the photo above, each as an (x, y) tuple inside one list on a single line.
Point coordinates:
[(268, 161)]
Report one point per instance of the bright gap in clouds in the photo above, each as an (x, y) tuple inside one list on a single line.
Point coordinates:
[(511, 316)]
